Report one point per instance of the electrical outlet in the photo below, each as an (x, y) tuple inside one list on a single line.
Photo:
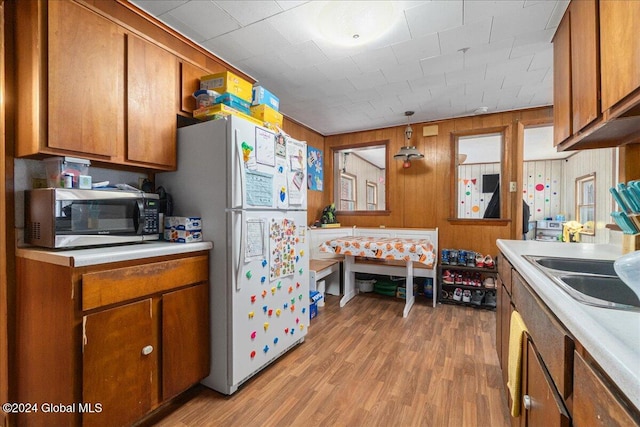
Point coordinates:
[(513, 186)]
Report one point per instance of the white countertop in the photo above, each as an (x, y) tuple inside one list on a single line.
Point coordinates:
[(106, 254), (611, 336)]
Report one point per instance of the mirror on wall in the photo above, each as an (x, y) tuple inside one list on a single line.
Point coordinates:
[(360, 174), (478, 171)]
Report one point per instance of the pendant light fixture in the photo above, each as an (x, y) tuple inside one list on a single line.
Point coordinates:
[(408, 152)]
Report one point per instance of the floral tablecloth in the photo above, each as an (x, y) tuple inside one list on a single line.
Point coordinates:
[(418, 250)]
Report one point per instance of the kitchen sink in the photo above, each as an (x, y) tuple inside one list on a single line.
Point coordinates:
[(589, 281), (576, 265), (603, 289)]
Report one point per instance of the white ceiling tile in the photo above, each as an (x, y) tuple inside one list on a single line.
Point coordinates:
[(533, 18), (422, 47), (302, 55), (402, 73), (509, 67), (339, 68), (394, 89), (368, 80), (375, 59), (488, 53), (542, 59), (468, 35), (529, 77), (290, 4), (427, 82), (482, 9), (247, 12), (467, 75), (202, 19), (336, 89), (442, 64), (260, 38), (433, 17), (157, 8)]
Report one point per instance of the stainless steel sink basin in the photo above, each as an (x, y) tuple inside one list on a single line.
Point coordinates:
[(589, 281), (589, 266), (610, 289)]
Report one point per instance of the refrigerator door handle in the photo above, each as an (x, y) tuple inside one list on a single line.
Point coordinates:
[(242, 249), (238, 204)]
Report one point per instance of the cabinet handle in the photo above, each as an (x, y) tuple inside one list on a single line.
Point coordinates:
[(147, 350), (527, 401)]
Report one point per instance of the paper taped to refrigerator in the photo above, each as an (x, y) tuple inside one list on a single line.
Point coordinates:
[(255, 240), (259, 189), (265, 147)]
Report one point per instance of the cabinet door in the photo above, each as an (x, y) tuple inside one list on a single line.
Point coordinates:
[(189, 82), (85, 81), (543, 406), (584, 63), (619, 50), (152, 100), (594, 404), (562, 114), (505, 308), (185, 339), (117, 366)]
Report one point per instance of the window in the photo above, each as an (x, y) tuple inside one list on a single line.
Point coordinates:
[(372, 196), (347, 192), (586, 203)]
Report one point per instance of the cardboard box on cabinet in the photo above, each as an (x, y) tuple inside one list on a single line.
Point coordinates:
[(263, 96), (219, 111), (230, 100), (228, 82), (267, 114)]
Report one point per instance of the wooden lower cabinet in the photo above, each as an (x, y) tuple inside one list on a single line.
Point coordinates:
[(594, 402), (119, 360), (542, 404), (110, 343), (185, 337)]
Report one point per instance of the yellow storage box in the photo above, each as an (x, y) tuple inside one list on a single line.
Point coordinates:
[(228, 82), (219, 111), (267, 114)]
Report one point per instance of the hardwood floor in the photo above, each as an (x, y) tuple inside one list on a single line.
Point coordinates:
[(365, 365)]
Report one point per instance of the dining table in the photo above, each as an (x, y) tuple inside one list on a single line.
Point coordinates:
[(385, 254)]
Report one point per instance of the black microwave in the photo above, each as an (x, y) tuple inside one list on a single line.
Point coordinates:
[(67, 218)]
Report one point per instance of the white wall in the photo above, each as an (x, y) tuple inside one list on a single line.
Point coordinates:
[(543, 182)]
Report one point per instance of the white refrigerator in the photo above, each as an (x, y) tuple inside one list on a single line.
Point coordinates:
[(248, 184)]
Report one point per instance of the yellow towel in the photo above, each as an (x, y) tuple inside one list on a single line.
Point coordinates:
[(516, 334)]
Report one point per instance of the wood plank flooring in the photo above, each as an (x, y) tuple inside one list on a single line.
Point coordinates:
[(365, 365)]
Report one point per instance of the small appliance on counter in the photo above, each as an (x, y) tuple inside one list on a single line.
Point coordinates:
[(67, 218)]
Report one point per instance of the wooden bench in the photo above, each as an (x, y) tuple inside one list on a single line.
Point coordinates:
[(324, 267)]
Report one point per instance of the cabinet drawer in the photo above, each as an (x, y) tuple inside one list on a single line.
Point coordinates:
[(504, 271), (107, 287), (552, 342)]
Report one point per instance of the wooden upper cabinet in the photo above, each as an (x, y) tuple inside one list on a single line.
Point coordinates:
[(152, 103), (584, 63), (119, 359), (85, 81), (619, 50), (562, 114), (189, 83)]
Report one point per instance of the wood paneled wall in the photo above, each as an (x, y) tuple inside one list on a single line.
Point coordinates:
[(420, 196), (315, 199)]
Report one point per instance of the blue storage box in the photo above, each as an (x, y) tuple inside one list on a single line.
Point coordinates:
[(230, 100), (314, 297), (263, 96)]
